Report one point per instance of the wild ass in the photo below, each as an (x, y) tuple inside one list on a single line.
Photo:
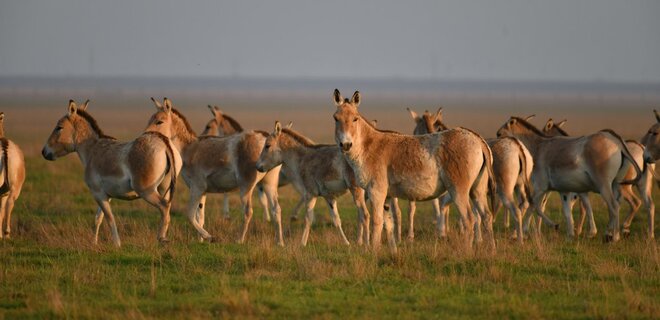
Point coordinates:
[(218, 164), (644, 186), (581, 164), (12, 175), (318, 170), (409, 167), (430, 123), (146, 167), (223, 125)]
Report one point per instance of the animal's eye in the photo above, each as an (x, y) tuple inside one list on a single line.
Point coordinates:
[(59, 128), (267, 146), (655, 133), (208, 127), (159, 122), (355, 119), (336, 118)]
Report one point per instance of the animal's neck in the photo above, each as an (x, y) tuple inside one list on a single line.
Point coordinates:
[(2, 132), (292, 150), (183, 137), (531, 140), (84, 146)]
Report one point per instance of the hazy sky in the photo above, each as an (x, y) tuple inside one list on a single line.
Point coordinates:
[(605, 40)]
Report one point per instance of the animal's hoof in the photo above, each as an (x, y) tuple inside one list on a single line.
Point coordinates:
[(625, 233), (227, 218), (557, 227), (294, 218), (609, 238), (163, 240)]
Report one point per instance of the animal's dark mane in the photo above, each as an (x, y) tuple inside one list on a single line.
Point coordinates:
[(440, 125), (184, 120), (379, 130), (233, 123), (560, 130), (92, 123), (306, 142), (529, 126)]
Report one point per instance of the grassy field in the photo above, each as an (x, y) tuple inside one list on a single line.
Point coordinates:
[(51, 269)]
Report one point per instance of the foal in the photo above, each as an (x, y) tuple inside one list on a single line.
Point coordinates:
[(12, 175), (146, 167), (317, 171)]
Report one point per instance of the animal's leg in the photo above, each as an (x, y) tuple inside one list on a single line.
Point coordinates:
[(462, 202), (645, 187), (263, 200), (610, 196), (97, 224), (389, 229), (634, 202), (225, 206), (566, 201), (269, 188), (396, 213), (296, 209), (412, 207), (201, 213), (363, 216), (586, 204), (196, 195), (336, 220), (442, 224), (246, 202), (104, 204), (516, 214), (377, 198), (477, 225), (3, 214), (156, 200), (309, 218), (539, 201)]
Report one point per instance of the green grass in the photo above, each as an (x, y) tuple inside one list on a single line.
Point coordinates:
[(50, 269)]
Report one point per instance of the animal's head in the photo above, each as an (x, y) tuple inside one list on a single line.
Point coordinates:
[(347, 120), (651, 141), (271, 154), (427, 122), (2, 124), (64, 137), (162, 121), (221, 125), (514, 126), (553, 129)]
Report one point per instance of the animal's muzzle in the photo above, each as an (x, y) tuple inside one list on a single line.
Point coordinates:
[(648, 159), (345, 146), (47, 155), (260, 168)]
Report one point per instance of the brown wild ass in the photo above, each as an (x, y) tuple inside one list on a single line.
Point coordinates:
[(644, 185), (318, 171), (12, 175), (146, 167), (575, 164), (388, 164), (223, 125), (218, 164)]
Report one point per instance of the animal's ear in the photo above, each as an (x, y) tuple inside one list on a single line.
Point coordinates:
[(84, 106), (511, 122), (548, 125), (157, 104), (337, 98), (413, 114), (561, 123), (72, 107), (278, 128), (289, 125), (167, 105), (438, 115), (375, 123), (216, 112), (529, 117), (2, 116), (657, 115), (355, 100)]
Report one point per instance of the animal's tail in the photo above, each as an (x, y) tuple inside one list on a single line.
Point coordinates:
[(171, 162), (488, 163), (5, 188), (522, 158), (626, 154)]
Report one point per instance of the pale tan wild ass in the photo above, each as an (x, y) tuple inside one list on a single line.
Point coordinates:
[(215, 164), (146, 167), (223, 125), (318, 171), (575, 164), (409, 167), (644, 186), (12, 175), (430, 123)]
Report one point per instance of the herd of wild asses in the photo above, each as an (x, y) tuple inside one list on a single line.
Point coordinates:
[(444, 165)]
